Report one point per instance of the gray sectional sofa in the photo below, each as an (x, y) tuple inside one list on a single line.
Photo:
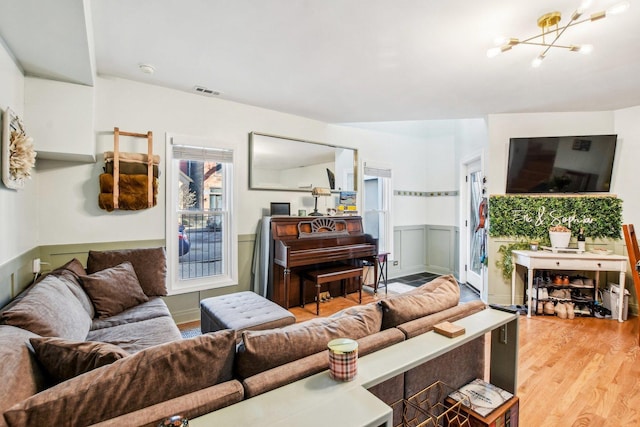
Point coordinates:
[(98, 346)]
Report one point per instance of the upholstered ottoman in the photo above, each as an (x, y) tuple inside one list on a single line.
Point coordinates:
[(242, 311)]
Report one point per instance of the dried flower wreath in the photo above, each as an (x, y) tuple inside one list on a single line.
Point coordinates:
[(22, 155)]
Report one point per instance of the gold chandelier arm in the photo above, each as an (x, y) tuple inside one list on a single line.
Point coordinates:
[(547, 45), (562, 29)]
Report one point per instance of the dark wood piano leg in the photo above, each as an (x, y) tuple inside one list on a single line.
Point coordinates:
[(317, 299), (287, 281), (359, 279)]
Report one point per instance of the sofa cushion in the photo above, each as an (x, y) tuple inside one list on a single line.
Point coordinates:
[(19, 369), (136, 336), (263, 350), (149, 377), (70, 274), (150, 265), (64, 359), (114, 289), (155, 307), (50, 309), (439, 294)]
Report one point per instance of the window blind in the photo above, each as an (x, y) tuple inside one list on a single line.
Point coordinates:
[(379, 172), (187, 152)]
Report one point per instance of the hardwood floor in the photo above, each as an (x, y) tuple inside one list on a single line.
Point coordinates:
[(583, 372), (580, 372)]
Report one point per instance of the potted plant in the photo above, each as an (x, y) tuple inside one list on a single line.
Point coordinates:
[(559, 236)]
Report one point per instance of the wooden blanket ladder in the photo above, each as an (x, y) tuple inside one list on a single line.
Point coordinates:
[(116, 163)]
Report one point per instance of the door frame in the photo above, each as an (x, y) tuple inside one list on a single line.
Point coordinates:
[(465, 220)]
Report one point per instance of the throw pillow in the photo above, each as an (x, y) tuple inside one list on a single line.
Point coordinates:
[(432, 297), (65, 359), (156, 374), (264, 350), (150, 265), (114, 289), (50, 309)]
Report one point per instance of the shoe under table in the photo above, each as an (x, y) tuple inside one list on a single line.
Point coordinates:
[(242, 311)]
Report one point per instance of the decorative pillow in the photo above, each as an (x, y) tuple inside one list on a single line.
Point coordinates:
[(64, 359), (21, 375), (441, 293), (150, 265), (50, 309), (114, 289), (264, 350), (70, 274), (154, 375)]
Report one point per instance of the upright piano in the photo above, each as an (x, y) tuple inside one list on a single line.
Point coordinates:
[(312, 242)]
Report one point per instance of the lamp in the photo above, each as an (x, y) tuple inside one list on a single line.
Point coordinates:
[(549, 25), (317, 192)]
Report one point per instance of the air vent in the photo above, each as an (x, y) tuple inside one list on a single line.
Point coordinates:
[(205, 91)]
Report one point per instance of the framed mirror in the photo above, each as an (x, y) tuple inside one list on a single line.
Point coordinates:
[(287, 164)]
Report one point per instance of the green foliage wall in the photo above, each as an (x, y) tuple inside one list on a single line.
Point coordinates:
[(530, 217)]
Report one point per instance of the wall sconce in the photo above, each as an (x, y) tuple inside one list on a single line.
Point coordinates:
[(317, 192)]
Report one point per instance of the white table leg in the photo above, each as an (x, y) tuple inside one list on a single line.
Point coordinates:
[(513, 281), (530, 287), (621, 296)]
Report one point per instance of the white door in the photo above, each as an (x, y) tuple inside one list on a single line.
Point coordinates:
[(475, 221)]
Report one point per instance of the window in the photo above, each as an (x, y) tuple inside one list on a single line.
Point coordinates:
[(199, 226), (377, 206)]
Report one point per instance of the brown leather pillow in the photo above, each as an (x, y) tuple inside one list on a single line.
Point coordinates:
[(156, 374), (150, 265), (264, 350), (65, 359), (114, 289), (441, 293)]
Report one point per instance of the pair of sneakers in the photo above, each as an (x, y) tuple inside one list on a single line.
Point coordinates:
[(564, 310), (561, 294)]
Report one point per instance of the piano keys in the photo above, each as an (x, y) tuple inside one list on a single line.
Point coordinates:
[(304, 243)]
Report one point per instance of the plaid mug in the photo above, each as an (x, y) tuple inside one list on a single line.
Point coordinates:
[(343, 359)]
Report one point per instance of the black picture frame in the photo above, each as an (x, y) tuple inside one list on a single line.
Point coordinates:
[(280, 208)]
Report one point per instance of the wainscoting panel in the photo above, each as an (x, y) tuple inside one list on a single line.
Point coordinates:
[(420, 248), (409, 251), (16, 275), (441, 249)]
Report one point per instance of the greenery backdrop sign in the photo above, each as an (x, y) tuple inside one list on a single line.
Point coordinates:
[(531, 216)]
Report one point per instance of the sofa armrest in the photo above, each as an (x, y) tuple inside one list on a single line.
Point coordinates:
[(310, 365), (425, 324), (190, 406)]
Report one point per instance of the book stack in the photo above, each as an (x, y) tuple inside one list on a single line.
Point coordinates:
[(486, 404)]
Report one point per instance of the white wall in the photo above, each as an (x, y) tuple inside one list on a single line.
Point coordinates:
[(18, 209), (627, 163), (70, 190)]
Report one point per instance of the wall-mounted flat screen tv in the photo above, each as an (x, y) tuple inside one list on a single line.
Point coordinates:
[(561, 164)]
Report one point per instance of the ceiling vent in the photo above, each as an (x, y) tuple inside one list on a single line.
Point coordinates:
[(205, 91)]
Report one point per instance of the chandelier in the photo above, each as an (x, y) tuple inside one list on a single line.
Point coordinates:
[(551, 30)]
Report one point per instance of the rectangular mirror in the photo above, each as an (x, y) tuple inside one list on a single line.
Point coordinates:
[(280, 163)]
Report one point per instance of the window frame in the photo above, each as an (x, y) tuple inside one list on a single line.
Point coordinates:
[(176, 285), (384, 174)]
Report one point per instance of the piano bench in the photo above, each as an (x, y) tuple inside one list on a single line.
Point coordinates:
[(330, 274), (242, 311)]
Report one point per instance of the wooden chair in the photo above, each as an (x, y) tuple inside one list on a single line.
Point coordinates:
[(634, 257)]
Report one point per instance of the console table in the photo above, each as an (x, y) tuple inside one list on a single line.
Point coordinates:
[(320, 401), (544, 260)]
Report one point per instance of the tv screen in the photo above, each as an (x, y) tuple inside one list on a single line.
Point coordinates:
[(561, 164)]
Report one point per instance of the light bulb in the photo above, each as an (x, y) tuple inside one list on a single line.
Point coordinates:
[(536, 62), (618, 8), (584, 5), (493, 52), (586, 49)]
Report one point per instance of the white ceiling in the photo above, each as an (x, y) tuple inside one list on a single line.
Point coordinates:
[(336, 60)]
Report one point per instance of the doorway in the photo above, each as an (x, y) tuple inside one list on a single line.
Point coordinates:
[(475, 235)]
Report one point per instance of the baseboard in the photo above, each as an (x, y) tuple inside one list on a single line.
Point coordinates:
[(185, 316)]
